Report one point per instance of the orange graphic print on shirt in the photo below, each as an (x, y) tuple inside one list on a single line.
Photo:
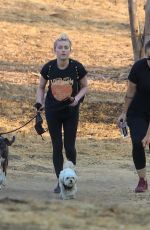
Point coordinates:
[(61, 88)]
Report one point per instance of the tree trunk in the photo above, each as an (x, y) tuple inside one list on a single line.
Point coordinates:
[(147, 22), (135, 31)]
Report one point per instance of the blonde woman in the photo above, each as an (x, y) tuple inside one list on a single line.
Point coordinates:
[(67, 86)]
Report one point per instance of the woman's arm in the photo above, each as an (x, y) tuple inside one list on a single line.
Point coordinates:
[(41, 91), (131, 90), (82, 92)]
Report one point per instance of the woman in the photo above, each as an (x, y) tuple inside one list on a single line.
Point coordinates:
[(67, 87), (137, 112)]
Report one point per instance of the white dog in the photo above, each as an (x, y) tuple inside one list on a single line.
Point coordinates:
[(67, 181)]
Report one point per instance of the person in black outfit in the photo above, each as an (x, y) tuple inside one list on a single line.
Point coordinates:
[(67, 87), (137, 113)]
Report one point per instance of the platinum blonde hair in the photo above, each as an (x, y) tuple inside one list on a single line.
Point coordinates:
[(62, 37)]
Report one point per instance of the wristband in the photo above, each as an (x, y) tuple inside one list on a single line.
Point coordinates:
[(76, 100)]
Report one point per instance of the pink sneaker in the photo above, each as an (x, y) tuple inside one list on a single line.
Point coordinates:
[(142, 186)]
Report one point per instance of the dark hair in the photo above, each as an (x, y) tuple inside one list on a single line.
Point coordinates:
[(147, 46)]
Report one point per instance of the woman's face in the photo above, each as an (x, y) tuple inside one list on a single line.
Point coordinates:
[(63, 50)]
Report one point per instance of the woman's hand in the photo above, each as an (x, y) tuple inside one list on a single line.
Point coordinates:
[(38, 106), (146, 141), (74, 101), (122, 117)]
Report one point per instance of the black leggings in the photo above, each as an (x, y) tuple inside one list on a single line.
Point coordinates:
[(138, 127), (67, 119)]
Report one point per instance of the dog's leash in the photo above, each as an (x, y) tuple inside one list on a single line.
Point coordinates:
[(38, 126), (14, 130)]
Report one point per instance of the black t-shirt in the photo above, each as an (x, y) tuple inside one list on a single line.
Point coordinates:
[(62, 83), (140, 75)]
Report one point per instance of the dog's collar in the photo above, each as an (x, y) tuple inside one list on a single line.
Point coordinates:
[(67, 187)]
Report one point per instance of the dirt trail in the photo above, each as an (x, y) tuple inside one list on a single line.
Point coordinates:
[(105, 200)]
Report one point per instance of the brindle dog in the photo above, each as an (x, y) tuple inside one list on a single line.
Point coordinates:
[(4, 151)]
